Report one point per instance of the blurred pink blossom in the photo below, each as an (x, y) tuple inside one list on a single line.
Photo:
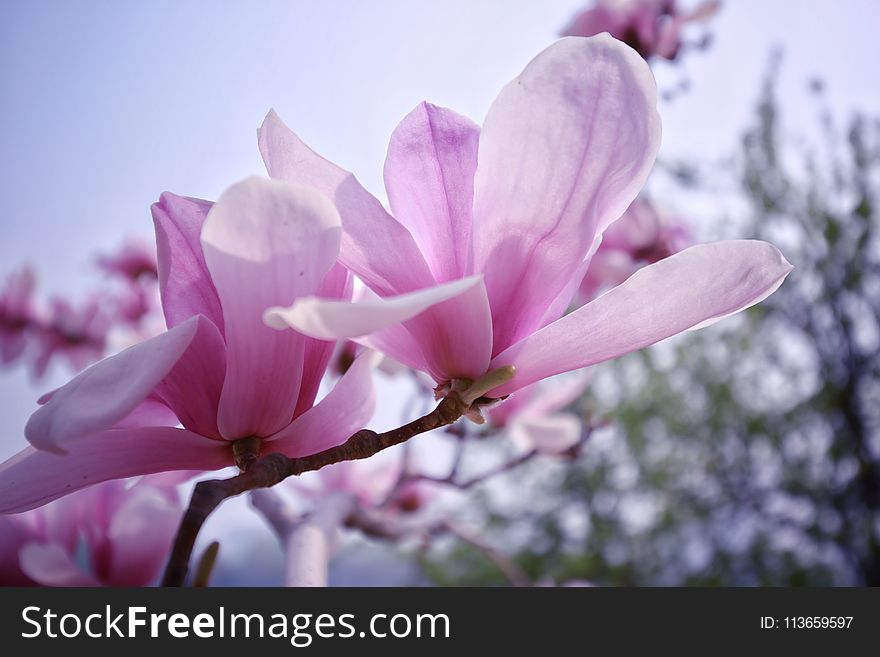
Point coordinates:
[(365, 481), (643, 235), (18, 313), (651, 27), (134, 260), (77, 334), (479, 264), (533, 416), (111, 534), (218, 370), (134, 265), (412, 495), (372, 483), (132, 304)]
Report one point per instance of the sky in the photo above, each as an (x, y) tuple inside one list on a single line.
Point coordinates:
[(105, 104)]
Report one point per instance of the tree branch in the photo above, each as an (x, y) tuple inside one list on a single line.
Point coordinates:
[(273, 468)]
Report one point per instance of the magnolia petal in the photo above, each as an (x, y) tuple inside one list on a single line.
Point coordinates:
[(567, 296), (331, 320), (429, 175), (152, 412), (546, 434), (140, 535), (51, 565), (15, 532), (337, 285), (184, 283), (374, 246), (266, 243), (455, 335), (450, 340), (397, 343), (564, 150), (346, 409), (34, 477), (697, 285), (109, 390), (192, 388), (46, 396), (551, 398), (608, 268), (168, 481)]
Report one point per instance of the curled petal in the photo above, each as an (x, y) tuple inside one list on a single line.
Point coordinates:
[(331, 320), (109, 390)]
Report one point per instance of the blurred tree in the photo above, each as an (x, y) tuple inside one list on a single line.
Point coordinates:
[(748, 453)]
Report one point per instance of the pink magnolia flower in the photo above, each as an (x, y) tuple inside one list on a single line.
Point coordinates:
[(123, 532), (370, 482), (135, 265), (365, 481), (641, 236), (132, 304), (411, 496), (52, 524), (18, 313), (218, 370), (533, 419), (133, 261), (564, 150), (651, 27), (78, 334)]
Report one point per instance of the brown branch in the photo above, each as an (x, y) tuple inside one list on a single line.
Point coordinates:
[(273, 468)]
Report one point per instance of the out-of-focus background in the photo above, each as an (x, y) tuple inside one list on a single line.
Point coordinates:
[(744, 454)]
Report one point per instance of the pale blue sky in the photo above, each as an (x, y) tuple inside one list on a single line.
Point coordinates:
[(105, 104)]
